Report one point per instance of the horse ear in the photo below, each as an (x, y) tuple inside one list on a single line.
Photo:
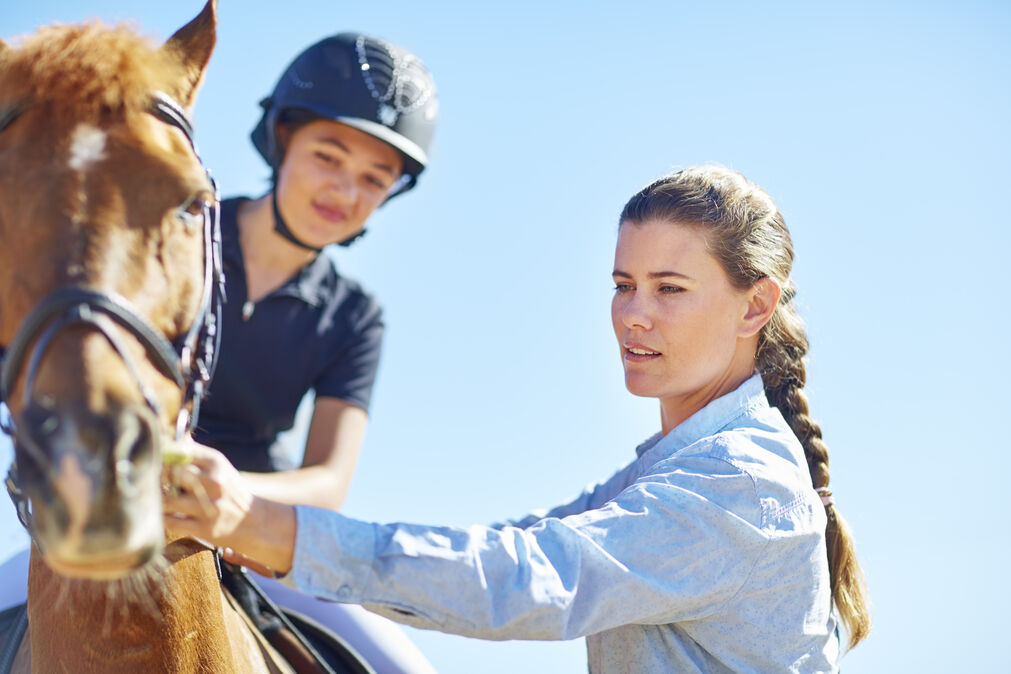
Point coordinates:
[(191, 46), (3, 47)]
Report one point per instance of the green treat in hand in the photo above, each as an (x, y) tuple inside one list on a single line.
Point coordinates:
[(175, 454)]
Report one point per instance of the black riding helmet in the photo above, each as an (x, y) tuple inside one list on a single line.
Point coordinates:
[(370, 84)]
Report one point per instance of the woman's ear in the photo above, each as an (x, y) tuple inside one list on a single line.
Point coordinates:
[(762, 300)]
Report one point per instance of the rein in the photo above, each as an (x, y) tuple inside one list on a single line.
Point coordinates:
[(189, 363)]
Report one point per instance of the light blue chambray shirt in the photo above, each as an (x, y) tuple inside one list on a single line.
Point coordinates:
[(705, 554)]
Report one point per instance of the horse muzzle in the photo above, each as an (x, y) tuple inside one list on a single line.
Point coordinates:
[(92, 481)]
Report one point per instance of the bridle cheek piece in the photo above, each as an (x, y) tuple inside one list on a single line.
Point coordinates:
[(189, 363)]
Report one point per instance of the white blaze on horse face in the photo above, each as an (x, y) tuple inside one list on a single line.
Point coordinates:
[(87, 146)]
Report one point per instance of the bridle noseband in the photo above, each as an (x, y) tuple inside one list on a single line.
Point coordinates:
[(189, 363)]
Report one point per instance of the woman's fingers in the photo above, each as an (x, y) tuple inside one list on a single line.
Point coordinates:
[(181, 526), (189, 505), (233, 557), (200, 479), (207, 458), (185, 477), (202, 457), (182, 481)]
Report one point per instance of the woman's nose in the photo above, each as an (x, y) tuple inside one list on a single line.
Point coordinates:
[(343, 185), (634, 312)]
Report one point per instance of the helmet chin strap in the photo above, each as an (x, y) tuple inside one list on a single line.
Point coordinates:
[(281, 227)]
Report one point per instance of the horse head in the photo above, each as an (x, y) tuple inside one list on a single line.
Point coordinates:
[(105, 249)]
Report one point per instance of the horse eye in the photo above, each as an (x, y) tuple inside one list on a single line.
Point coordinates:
[(191, 212)]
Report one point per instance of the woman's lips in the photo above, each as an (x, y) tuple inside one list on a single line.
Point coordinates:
[(636, 353), (330, 213)]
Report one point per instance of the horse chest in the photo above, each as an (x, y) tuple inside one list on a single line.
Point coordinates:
[(177, 621)]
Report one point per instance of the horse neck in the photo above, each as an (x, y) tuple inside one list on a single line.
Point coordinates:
[(173, 621)]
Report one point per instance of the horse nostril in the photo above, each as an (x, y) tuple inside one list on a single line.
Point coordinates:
[(49, 426), (31, 462), (134, 450), (34, 436)]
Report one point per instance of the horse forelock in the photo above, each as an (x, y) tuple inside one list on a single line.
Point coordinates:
[(86, 69)]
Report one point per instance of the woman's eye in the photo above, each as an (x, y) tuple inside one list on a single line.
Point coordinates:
[(671, 290), (326, 158), (622, 287)]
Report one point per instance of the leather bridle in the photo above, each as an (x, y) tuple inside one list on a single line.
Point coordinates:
[(189, 362)]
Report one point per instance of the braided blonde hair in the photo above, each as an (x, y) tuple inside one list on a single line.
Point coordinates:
[(748, 236)]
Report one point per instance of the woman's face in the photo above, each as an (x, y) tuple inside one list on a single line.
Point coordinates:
[(682, 328), (333, 176)]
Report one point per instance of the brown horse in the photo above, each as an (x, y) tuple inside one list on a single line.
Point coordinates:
[(105, 252)]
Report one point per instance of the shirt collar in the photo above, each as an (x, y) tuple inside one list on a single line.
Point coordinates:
[(712, 418), (309, 284)]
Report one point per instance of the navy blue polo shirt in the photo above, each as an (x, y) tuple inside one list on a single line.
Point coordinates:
[(318, 332)]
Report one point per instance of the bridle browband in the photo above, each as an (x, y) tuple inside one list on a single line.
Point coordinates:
[(189, 363)]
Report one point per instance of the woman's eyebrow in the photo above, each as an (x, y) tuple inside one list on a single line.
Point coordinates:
[(334, 141), (379, 165), (654, 274)]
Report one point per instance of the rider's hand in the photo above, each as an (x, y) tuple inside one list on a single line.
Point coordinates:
[(212, 502)]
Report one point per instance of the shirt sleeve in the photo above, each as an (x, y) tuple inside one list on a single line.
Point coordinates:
[(351, 370), (675, 545), (594, 496)]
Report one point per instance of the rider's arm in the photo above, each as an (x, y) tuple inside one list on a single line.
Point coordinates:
[(332, 447), (343, 391)]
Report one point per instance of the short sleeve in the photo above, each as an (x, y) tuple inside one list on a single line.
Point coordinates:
[(350, 372)]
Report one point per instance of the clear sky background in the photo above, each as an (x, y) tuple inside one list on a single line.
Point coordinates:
[(879, 128)]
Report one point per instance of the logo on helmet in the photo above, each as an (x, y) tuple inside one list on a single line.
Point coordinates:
[(387, 114), (395, 79), (298, 81)]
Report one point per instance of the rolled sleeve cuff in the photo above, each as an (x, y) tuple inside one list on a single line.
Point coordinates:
[(333, 555)]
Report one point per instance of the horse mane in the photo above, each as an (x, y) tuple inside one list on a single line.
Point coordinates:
[(87, 68)]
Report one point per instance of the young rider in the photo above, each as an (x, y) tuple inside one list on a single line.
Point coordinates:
[(348, 126)]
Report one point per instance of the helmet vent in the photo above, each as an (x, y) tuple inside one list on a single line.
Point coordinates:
[(397, 80)]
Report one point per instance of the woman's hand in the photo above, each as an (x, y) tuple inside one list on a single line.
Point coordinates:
[(212, 502)]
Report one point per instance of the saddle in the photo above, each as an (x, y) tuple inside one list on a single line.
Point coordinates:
[(308, 646), (13, 625)]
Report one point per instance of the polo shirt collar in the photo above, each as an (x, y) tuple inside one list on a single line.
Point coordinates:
[(309, 284)]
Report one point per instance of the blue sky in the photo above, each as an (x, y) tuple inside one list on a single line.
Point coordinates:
[(879, 128)]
